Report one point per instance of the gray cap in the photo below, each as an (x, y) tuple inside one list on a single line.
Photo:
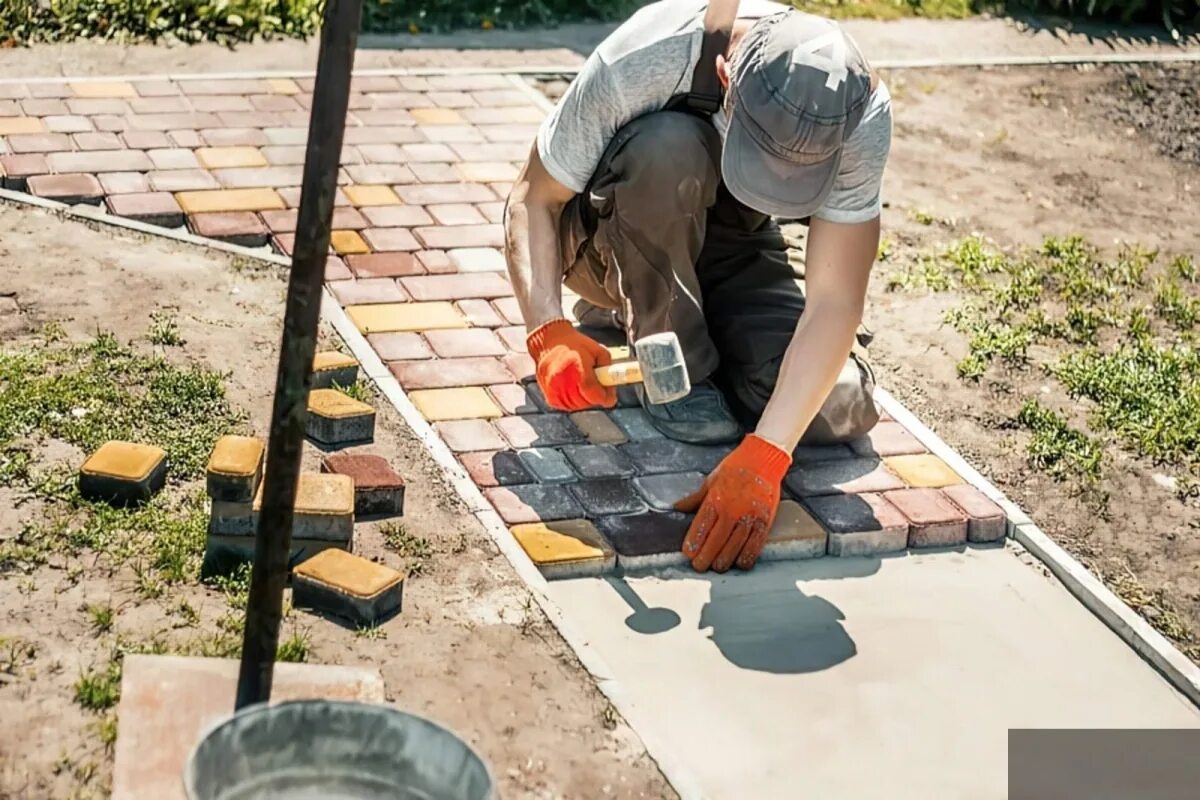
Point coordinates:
[(799, 88)]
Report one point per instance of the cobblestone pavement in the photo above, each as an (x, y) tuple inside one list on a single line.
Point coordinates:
[(416, 262)]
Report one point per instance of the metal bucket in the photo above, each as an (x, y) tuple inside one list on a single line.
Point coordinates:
[(332, 750)]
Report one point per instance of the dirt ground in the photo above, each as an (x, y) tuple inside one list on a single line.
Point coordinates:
[(470, 649)]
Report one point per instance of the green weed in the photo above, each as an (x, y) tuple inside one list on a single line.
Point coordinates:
[(99, 689), (360, 391), (1056, 448), (106, 732), (415, 550), (1175, 306), (295, 648), (921, 217), (164, 330), (100, 617)]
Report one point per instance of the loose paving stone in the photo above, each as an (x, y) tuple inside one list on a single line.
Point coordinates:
[(227, 199), (371, 195), (539, 430), (477, 259), (330, 367), (662, 492), (923, 471), (480, 313), (235, 468), (393, 317), (396, 216), (599, 461), (934, 521), (324, 507), (447, 372), (495, 468), (236, 227), (463, 402), (336, 419), (384, 265), (16, 169), (232, 519), (657, 456), (887, 439), (514, 399), (474, 342), (348, 586), (635, 423), (533, 503), (860, 524), (795, 535), (845, 476), (378, 489), (566, 548), (986, 521), (389, 239), (598, 427), (469, 435), (426, 288), (398, 346), (649, 540), (153, 208), (69, 189), (607, 496), (367, 291), (547, 465), (123, 473)]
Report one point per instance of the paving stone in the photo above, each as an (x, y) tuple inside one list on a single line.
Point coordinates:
[(487, 171), (392, 317), (291, 197), (93, 141), (566, 548), (533, 503), (336, 270), (123, 473), (467, 83), (860, 524), (502, 97), (845, 476), (462, 402), (923, 471), (887, 439), (442, 134), (433, 172), (425, 152), (153, 208), (225, 157), (389, 239), (445, 99), (476, 259), (448, 372), (804, 454), (208, 86), (148, 141), (69, 189), (41, 108), (500, 468), (492, 151), (348, 586), (514, 338), (651, 539), (509, 133), (598, 427), (378, 489), (520, 365), (382, 153), (366, 291), (123, 182), (539, 430), (180, 138), (480, 313), (510, 310), (795, 535), (493, 212), (324, 508), (399, 346), (436, 116), (332, 366), (232, 519), (182, 180), (380, 135), (347, 243), (228, 200), (91, 161), (456, 287), (934, 521), (512, 115), (473, 342), (662, 492), (236, 227), (51, 89), (986, 521), (282, 86), (446, 238), (235, 468), (440, 193), (514, 399), (607, 496), (384, 265), (16, 169), (656, 456), (103, 89), (156, 88), (173, 158), (273, 102), (396, 216), (286, 136), (635, 423), (335, 418), (40, 143), (469, 435), (252, 177), (456, 214), (599, 461), (547, 465), (228, 102)]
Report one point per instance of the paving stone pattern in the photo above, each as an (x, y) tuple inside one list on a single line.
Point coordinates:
[(416, 261)]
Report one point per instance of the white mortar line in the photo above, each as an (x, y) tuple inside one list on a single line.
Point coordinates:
[(1126, 623)]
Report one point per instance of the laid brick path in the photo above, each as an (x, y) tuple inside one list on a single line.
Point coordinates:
[(415, 260)]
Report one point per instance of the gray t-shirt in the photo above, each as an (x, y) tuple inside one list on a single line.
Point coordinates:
[(649, 60)]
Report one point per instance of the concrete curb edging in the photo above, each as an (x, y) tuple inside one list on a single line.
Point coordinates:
[(1126, 623)]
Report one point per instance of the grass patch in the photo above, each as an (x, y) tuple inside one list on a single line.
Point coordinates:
[(415, 550), (164, 331), (360, 391), (99, 689), (1058, 448), (100, 617)]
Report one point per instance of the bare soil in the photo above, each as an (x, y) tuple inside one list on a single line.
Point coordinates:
[(470, 649)]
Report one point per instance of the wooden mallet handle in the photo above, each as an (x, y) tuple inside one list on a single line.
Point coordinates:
[(619, 374)]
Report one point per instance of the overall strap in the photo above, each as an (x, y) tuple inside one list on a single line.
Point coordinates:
[(705, 96)]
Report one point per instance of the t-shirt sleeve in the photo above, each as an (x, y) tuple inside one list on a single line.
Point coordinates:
[(856, 190), (572, 140)]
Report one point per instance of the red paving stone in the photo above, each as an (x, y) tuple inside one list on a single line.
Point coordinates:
[(154, 208), (397, 346), (470, 343), (456, 214), (887, 439), (457, 287), (934, 521), (384, 265), (98, 141), (513, 398), (238, 227), (480, 313), (396, 216), (445, 237), (369, 290), (67, 188), (16, 168), (495, 468), (466, 435), (436, 262), (986, 521), (390, 239), (445, 373), (438, 193)]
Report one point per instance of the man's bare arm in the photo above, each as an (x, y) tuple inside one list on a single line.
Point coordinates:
[(837, 269), (531, 219)]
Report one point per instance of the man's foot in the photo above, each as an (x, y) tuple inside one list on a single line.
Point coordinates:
[(702, 417)]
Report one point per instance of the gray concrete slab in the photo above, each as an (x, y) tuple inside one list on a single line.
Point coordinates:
[(861, 678)]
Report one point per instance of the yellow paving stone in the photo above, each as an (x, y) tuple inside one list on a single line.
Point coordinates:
[(352, 574), (471, 402), (335, 405), (234, 469), (282, 86), (347, 585), (319, 494), (103, 89), (335, 418), (437, 116), (794, 535), (126, 460), (400, 317), (567, 548), (925, 471), (330, 367), (222, 157), (346, 243), (332, 359), (16, 125), (229, 200), (371, 196)]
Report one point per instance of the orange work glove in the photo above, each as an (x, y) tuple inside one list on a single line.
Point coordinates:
[(737, 504), (566, 367)]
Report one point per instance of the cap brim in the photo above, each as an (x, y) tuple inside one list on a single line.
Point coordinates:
[(771, 184)]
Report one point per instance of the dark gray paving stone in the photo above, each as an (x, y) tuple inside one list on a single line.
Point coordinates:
[(635, 423), (656, 456), (646, 540), (533, 503), (845, 476), (663, 491), (599, 461), (606, 496), (547, 465), (539, 430), (627, 397), (860, 525), (806, 454), (503, 468)]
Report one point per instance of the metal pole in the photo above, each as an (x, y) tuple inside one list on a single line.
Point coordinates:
[(273, 540)]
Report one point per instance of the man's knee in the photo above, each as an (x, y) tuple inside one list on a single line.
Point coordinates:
[(673, 158)]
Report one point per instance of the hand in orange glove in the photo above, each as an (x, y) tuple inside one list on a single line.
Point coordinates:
[(737, 505), (566, 367)]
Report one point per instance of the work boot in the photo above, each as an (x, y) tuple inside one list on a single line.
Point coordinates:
[(702, 417)]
